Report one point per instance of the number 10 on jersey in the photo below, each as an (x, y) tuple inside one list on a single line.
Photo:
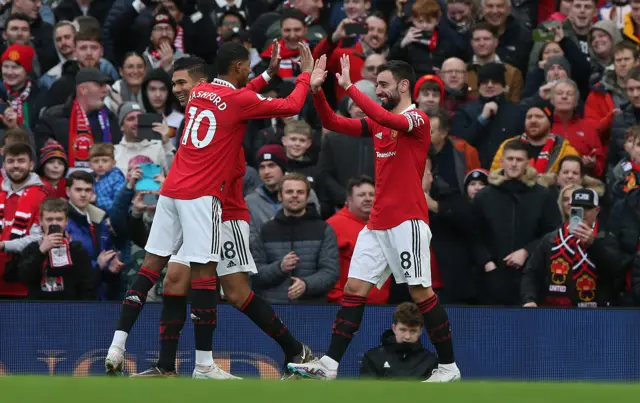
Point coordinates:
[(193, 126)]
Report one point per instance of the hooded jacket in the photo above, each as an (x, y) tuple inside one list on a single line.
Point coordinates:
[(398, 360), (20, 230), (583, 138), (629, 29), (312, 240), (510, 215), (598, 66), (159, 152), (347, 226)]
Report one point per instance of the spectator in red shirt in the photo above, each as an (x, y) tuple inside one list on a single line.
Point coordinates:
[(20, 198), (568, 124), (347, 224)]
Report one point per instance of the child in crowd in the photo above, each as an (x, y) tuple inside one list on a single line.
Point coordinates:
[(53, 168), (429, 92), (297, 140), (109, 179), (475, 181)]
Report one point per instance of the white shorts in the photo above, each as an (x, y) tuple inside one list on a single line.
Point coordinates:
[(402, 251), (235, 256), (190, 225)]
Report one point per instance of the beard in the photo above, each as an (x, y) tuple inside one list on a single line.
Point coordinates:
[(18, 176), (392, 100)]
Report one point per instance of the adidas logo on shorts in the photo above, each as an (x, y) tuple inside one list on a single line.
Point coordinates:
[(231, 264)]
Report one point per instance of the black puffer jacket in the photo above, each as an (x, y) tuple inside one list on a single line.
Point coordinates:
[(510, 215), (342, 158), (312, 240), (398, 360), (625, 226)]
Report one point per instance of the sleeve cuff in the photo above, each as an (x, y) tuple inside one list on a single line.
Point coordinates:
[(266, 77), (350, 85), (138, 6)]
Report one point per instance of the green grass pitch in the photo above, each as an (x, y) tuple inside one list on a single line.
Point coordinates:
[(27, 389)]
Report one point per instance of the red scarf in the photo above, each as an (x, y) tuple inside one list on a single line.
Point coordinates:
[(289, 60), (568, 258), (58, 191), (178, 43), (19, 100), (432, 43), (632, 181), (542, 162), (80, 137), (59, 257)]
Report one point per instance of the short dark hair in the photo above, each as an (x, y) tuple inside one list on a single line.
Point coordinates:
[(18, 17), (18, 148), (572, 158), (379, 15), (87, 23), (195, 66), (485, 26), (515, 145), (82, 176), (294, 176), (443, 116), (359, 181), (400, 70), (88, 35), (626, 45), (408, 314), (292, 14), (54, 205), (229, 53)]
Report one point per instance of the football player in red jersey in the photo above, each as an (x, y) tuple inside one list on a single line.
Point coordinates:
[(217, 118), (397, 237)]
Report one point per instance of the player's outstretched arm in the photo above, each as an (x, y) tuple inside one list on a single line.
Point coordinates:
[(256, 106), (333, 122), (258, 83), (402, 123)]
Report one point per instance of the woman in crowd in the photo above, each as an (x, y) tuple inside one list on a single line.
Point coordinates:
[(128, 88)]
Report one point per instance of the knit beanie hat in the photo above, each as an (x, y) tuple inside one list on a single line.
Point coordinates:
[(424, 79), (275, 153), (559, 60), (492, 72), (367, 88), (21, 54), (476, 175), (545, 107), (52, 149)]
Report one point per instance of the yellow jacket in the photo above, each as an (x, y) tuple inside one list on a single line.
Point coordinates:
[(561, 149)]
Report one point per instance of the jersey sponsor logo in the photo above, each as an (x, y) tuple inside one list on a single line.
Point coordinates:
[(385, 155)]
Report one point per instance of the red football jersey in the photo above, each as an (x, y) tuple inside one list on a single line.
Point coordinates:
[(401, 144), (216, 120), (233, 206)]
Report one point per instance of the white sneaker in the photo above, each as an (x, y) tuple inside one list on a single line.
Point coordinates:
[(445, 373), (314, 369), (114, 361), (213, 372)]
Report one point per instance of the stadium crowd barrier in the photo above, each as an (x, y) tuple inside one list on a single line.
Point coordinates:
[(490, 343)]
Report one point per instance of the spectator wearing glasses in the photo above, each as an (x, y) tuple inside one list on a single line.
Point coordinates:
[(371, 65), (456, 88)]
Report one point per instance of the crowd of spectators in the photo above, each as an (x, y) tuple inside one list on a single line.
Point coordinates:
[(534, 111)]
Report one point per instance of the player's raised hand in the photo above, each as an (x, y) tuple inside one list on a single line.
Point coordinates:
[(306, 58), (274, 64), (319, 74), (344, 79)]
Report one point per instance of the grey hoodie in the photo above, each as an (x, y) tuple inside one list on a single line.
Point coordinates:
[(35, 233), (612, 30)]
